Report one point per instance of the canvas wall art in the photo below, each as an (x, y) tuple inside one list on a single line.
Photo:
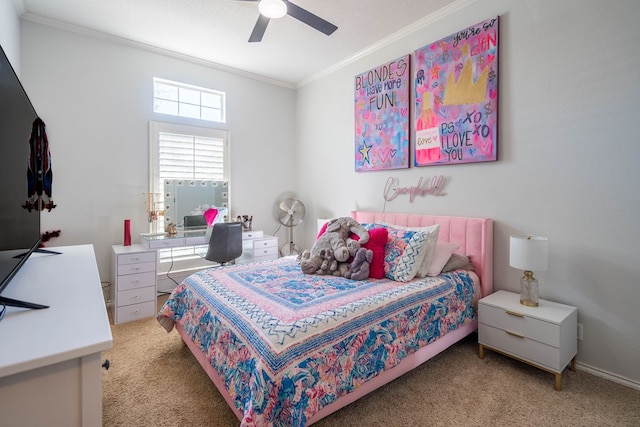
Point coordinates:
[(382, 117), (456, 97)]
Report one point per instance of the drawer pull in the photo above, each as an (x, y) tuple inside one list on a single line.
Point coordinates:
[(513, 313), (515, 334)]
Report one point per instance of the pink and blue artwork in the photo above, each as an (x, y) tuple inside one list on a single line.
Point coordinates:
[(456, 97), (382, 117)]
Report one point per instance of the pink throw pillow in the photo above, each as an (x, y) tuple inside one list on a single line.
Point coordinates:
[(377, 241)]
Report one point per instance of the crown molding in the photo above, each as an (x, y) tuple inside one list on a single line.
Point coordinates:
[(398, 35)]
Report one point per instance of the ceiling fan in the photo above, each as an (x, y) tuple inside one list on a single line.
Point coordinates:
[(273, 9)]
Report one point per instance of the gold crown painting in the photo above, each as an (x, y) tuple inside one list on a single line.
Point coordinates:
[(465, 91)]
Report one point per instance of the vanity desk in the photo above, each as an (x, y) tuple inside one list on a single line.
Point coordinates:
[(256, 246)]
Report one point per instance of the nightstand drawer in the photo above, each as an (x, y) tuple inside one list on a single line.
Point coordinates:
[(136, 296), (134, 281), (535, 329), (136, 268), (521, 347), (136, 311), (135, 258)]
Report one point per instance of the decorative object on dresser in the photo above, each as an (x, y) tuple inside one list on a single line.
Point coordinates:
[(246, 221), (134, 290), (544, 336), (528, 253)]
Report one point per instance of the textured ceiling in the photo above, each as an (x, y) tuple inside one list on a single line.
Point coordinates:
[(217, 31)]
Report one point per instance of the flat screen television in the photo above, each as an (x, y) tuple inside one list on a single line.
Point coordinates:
[(19, 227)]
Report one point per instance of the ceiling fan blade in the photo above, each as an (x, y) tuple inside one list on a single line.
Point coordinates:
[(310, 19), (259, 29)]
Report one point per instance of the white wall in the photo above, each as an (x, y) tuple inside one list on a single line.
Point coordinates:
[(568, 158), (10, 33), (95, 97)]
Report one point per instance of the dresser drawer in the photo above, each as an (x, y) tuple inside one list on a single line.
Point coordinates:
[(135, 258), (131, 312), (139, 280), (136, 268), (167, 243), (248, 235), (265, 254), (521, 347), (529, 327), (136, 296), (269, 242)]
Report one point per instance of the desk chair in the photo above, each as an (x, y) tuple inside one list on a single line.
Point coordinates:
[(225, 243)]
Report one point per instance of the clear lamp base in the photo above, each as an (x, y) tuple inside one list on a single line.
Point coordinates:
[(529, 290)]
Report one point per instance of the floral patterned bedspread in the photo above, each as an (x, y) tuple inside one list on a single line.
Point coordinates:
[(286, 344)]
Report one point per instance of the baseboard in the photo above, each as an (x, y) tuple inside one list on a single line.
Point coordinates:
[(608, 375)]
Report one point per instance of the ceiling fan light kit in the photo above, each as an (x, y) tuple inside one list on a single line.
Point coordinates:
[(273, 9)]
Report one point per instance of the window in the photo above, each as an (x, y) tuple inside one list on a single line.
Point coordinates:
[(182, 100), (180, 152)]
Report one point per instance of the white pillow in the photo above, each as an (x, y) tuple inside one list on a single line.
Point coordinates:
[(429, 247), (442, 254)]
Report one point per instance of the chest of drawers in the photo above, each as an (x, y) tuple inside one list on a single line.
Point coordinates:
[(257, 246), (543, 336), (133, 291)]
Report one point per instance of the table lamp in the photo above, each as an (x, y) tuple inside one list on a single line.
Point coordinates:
[(528, 253)]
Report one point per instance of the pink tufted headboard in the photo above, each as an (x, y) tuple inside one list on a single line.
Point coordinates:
[(474, 235)]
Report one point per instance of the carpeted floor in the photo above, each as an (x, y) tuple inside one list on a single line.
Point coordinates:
[(155, 381)]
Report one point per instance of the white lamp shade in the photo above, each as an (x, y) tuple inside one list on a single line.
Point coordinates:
[(272, 8), (528, 253)]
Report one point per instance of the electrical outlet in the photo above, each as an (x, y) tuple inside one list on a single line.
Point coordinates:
[(580, 331)]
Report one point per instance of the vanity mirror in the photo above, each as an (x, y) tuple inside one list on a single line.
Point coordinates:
[(193, 197)]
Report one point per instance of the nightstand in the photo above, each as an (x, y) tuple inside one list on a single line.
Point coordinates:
[(543, 336)]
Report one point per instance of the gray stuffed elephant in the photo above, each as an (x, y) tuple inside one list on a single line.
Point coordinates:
[(336, 238)]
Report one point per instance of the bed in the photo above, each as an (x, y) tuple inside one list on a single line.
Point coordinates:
[(285, 348)]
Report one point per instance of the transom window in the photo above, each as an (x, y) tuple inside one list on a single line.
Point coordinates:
[(183, 100)]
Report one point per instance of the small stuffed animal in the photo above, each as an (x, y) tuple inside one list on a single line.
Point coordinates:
[(359, 269), (310, 264), (329, 264)]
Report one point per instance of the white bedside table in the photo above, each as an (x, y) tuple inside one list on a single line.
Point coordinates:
[(543, 336)]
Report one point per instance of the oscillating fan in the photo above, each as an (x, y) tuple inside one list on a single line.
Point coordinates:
[(290, 212)]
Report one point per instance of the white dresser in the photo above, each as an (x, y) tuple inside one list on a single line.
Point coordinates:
[(134, 290), (50, 359), (543, 336), (257, 246)]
